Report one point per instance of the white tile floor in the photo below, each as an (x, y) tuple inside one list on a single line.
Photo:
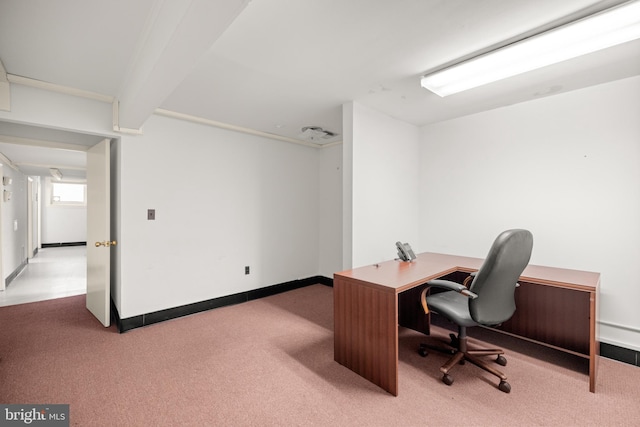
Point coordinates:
[(52, 273)]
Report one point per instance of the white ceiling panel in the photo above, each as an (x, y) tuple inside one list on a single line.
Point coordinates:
[(281, 65)]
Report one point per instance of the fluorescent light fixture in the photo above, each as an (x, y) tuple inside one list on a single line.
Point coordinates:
[(599, 31), (56, 173)]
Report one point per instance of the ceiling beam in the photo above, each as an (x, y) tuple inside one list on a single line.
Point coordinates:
[(48, 166), (7, 139), (178, 34), (5, 90)]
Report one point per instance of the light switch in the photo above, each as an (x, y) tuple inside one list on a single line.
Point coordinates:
[(151, 214)]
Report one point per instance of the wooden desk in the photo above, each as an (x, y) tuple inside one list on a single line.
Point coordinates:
[(555, 307)]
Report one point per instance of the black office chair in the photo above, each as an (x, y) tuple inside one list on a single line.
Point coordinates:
[(488, 301)]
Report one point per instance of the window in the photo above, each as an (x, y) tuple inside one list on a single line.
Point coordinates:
[(68, 193)]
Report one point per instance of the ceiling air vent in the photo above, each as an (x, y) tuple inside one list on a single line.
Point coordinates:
[(317, 135)]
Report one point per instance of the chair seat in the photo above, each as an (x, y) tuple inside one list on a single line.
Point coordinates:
[(453, 305)]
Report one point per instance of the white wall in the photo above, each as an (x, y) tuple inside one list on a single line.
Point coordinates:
[(383, 181), (223, 201), (116, 233), (61, 224), (14, 222), (36, 210), (330, 210), (566, 167), (347, 185)]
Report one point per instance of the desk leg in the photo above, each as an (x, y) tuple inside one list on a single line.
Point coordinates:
[(366, 332)]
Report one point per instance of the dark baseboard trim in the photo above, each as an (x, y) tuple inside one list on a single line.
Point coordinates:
[(325, 281), (139, 321), (57, 245), (15, 272), (621, 354)]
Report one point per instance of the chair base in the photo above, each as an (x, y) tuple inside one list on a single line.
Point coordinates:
[(460, 351)]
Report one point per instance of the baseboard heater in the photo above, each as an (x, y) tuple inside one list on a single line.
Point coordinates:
[(141, 320)]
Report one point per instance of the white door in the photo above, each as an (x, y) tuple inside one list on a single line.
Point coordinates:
[(2, 282), (99, 232)]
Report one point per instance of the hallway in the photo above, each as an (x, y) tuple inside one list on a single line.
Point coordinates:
[(52, 273)]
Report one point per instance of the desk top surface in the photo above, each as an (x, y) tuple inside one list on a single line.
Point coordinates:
[(397, 276)]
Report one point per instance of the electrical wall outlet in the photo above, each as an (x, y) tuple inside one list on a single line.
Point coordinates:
[(247, 270)]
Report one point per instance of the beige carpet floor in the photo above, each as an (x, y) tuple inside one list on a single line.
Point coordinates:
[(270, 362)]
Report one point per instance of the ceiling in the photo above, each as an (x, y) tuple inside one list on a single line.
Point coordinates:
[(273, 66)]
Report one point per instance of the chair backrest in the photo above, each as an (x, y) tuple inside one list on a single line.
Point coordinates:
[(495, 282)]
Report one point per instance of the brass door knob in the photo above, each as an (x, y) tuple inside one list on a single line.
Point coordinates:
[(106, 244)]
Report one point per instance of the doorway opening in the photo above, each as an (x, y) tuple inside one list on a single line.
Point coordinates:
[(43, 230)]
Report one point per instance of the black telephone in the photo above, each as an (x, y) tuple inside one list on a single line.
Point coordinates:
[(405, 252)]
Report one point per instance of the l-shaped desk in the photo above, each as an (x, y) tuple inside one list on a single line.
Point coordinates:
[(555, 307)]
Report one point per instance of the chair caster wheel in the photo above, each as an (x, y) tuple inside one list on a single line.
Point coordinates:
[(422, 351), (448, 379), (504, 386), (501, 360)]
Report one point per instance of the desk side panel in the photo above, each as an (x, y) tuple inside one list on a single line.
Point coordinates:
[(594, 349), (366, 332)]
